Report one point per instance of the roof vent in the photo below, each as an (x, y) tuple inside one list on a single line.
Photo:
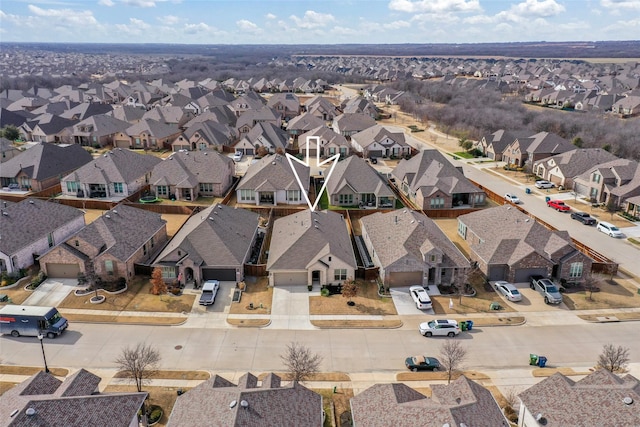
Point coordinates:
[(5, 213), (233, 404), (31, 202), (211, 218), (107, 216), (13, 414), (273, 163), (30, 412), (244, 404), (628, 400), (541, 420), (115, 211)]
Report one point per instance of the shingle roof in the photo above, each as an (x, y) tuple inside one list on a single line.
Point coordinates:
[(398, 234), (304, 122), (326, 135), (102, 125), (398, 405), (298, 239), (217, 236), (596, 400), (274, 170), (377, 134), (269, 132), (352, 122), (271, 404), (118, 165), (186, 170), (359, 176), (43, 218), (46, 160), (578, 161), (154, 128)]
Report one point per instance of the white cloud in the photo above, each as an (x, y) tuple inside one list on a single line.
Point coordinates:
[(248, 26), (621, 4), (64, 17), (444, 18), (479, 19), (140, 3), (108, 3), (169, 19), (313, 19), (270, 16), (395, 25), (135, 27), (435, 6), (529, 9), (197, 28)]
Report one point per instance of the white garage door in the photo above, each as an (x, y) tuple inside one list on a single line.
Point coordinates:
[(284, 279), (67, 271)]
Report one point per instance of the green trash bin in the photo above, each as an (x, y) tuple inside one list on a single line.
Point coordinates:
[(494, 306), (533, 359), (462, 325)]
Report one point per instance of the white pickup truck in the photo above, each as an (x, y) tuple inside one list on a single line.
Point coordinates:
[(209, 292)]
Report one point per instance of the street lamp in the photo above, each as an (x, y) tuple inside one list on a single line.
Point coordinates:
[(46, 368)]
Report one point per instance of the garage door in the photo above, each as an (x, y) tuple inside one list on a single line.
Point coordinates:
[(249, 151), (284, 279), (497, 272), (222, 274), (522, 274), (66, 271), (405, 278), (557, 180)]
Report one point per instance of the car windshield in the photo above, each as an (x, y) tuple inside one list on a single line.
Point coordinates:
[(613, 228), (552, 289), (514, 291), (432, 324)]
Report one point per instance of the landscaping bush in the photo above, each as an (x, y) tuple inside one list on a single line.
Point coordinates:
[(325, 292), (155, 413), (37, 280), (9, 279)]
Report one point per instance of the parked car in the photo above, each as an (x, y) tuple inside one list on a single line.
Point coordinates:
[(610, 229), (583, 217), (508, 290), (544, 184), (209, 292), (558, 205), (439, 327), (547, 289), (420, 296), (422, 363), (237, 156), (373, 160), (512, 198)]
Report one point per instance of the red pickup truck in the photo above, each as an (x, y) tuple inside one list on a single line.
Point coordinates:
[(558, 205)]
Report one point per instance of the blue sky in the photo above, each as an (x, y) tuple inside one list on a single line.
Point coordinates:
[(318, 21)]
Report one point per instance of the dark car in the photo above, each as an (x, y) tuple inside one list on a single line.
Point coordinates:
[(583, 217), (422, 363), (373, 160)]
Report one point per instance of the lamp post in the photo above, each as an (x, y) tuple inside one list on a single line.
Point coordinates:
[(46, 368)]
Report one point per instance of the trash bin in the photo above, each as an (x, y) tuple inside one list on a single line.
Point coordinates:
[(542, 361), (462, 325), (533, 359), (527, 190), (494, 306), (547, 198), (469, 325)]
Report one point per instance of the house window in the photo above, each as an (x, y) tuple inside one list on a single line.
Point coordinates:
[(152, 243), (108, 266), (72, 186), (77, 243), (575, 270), (202, 146), (162, 190), (50, 240), (462, 230), (437, 202), (340, 274), (293, 195), (168, 273), (206, 187), (433, 258), (118, 187), (597, 177), (346, 199), (247, 195)]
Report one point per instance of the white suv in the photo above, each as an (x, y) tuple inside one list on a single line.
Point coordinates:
[(440, 327), (609, 229), (420, 296), (237, 156)]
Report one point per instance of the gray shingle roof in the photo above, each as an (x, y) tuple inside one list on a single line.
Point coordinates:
[(46, 160), (223, 241), (102, 125), (118, 165), (43, 218), (596, 400), (578, 161), (377, 134), (352, 122), (358, 175), (274, 171), (270, 404), (264, 131), (297, 239), (186, 170), (154, 128)]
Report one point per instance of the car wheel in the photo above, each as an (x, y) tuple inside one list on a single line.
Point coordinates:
[(451, 334), (51, 335), (15, 334), (427, 334), (414, 369), (610, 234), (546, 300), (531, 286)]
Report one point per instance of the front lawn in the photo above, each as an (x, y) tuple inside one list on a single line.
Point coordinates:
[(617, 293), (257, 293), (366, 302)]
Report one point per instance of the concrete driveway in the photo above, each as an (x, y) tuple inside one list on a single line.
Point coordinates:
[(405, 305), (532, 301), (51, 292)]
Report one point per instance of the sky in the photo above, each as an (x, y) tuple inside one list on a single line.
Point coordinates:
[(317, 21)]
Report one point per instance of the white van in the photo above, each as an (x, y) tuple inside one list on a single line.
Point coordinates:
[(609, 229)]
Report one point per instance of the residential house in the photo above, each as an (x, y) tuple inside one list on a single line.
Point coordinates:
[(287, 104), (7, 150), (494, 144), (378, 141), (98, 131), (44, 400), (410, 249), (348, 124), (206, 135), (13, 118), (248, 101), (320, 107), (48, 225), (263, 135), (127, 113), (632, 206), (248, 404), (461, 403), (561, 169), (214, 244), (628, 106), (170, 115), (48, 128), (115, 175), (431, 182), (310, 248), (250, 118), (601, 399), (509, 245), (85, 110), (611, 182), (360, 105), (41, 166), (326, 141), (189, 175), (148, 134), (528, 150), (110, 246), (303, 123), (355, 183), (270, 181)]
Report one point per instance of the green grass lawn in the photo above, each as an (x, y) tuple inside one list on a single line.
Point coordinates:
[(463, 154)]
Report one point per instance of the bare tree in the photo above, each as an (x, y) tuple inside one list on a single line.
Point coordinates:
[(613, 358), (452, 354), (591, 282), (349, 290), (300, 362), (139, 363)]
